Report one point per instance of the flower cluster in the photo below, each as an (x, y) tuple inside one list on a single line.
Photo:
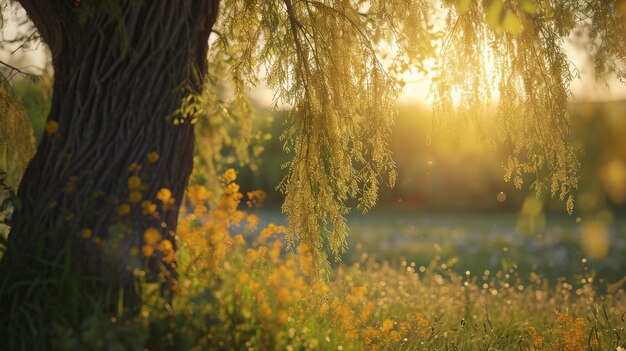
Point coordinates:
[(267, 297)]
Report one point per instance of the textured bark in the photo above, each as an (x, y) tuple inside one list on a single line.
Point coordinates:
[(119, 72)]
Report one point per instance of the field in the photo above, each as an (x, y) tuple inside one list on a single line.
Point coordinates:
[(492, 241), (409, 282), (480, 241)]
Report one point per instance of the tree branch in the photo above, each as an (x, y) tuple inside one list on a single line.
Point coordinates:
[(49, 18), (15, 69)]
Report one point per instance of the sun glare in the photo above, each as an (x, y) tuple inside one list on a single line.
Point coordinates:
[(585, 87)]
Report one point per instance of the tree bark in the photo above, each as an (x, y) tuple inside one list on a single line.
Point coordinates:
[(120, 72)]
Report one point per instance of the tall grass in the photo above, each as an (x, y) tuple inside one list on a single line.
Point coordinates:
[(240, 288)]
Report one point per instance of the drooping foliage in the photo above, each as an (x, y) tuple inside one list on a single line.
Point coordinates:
[(517, 49), (17, 144), (326, 59), (224, 124)]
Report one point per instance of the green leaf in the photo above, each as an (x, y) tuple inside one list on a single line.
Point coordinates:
[(493, 14), (528, 6), (462, 6), (512, 24)]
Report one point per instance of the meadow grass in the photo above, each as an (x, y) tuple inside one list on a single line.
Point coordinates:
[(489, 241), (241, 288)]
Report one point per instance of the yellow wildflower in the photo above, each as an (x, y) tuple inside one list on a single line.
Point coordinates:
[(230, 175), (151, 236), (199, 210), (300, 284), (570, 336), (366, 312), (153, 157), (253, 221), (164, 194), (262, 250), (251, 253), (148, 207), (272, 229), (256, 198), (537, 339), (251, 256), (254, 285), (387, 325), (165, 246), (282, 317), (52, 127), (579, 322), (123, 210), (147, 250), (198, 194), (344, 315), (267, 312), (420, 320), (169, 256), (370, 335), (395, 336), (86, 233), (275, 251), (564, 319), (284, 296), (260, 297), (232, 189), (239, 240), (220, 215), (357, 294), (134, 196), (243, 277), (320, 288), (134, 182)]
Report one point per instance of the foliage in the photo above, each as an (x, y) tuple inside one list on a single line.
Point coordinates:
[(518, 48), (7, 196), (228, 127), (341, 95), (34, 95), (17, 144)]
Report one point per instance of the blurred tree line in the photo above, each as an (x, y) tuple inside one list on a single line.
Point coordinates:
[(462, 172)]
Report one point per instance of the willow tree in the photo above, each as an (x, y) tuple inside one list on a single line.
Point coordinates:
[(128, 79), (128, 89)]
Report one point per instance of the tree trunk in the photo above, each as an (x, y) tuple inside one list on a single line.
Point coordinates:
[(121, 70)]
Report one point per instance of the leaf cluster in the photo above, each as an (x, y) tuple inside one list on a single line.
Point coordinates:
[(516, 50)]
